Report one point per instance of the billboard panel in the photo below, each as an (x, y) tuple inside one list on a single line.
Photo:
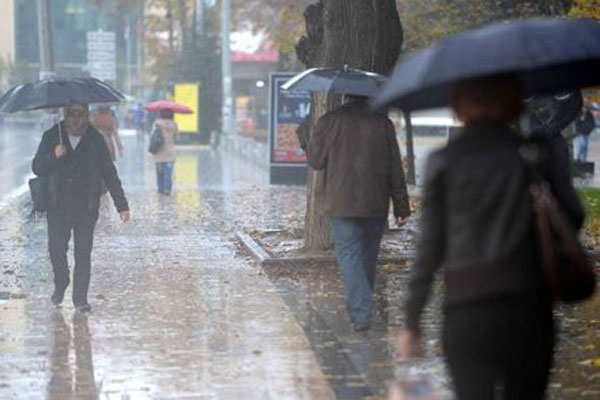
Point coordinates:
[(187, 94), (287, 110)]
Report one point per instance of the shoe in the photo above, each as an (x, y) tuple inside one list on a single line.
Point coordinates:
[(57, 297), (361, 326), (84, 308)]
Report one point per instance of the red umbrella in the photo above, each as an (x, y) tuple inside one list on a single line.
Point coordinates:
[(168, 105)]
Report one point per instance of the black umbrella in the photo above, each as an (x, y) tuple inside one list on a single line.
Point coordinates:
[(337, 80), (549, 55), (52, 93)]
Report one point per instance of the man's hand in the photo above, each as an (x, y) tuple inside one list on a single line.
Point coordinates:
[(409, 345), (60, 150), (401, 221), (125, 216)]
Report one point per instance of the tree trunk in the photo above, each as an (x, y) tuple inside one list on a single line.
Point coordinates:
[(362, 34)]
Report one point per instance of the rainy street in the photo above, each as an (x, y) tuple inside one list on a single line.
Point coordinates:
[(176, 314), (180, 309), (299, 200)]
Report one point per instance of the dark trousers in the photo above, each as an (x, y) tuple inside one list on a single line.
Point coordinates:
[(60, 226), (356, 243), (499, 349)]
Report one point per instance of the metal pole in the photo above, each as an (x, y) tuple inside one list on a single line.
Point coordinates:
[(410, 173), (128, 56), (140, 48), (228, 125), (200, 17), (45, 39)]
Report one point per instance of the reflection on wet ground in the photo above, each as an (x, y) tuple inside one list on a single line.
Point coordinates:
[(64, 383), (180, 312)]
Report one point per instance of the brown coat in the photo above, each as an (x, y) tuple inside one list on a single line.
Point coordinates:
[(360, 155)]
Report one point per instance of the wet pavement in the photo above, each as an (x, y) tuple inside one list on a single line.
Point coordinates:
[(176, 313), (180, 310), (18, 143)]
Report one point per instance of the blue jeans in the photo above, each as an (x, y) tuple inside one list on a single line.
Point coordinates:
[(356, 243), (164, 176), (583, 142)]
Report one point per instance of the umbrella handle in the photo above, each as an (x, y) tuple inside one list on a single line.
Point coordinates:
[(60, 136)]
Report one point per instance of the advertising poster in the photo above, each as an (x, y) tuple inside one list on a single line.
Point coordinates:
[(288, 110), (187, 94)]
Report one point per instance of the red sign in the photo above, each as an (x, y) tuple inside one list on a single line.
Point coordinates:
[(265, 56)]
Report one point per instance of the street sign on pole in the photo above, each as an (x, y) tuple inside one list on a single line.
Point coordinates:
[(101, 50), (45, 38)]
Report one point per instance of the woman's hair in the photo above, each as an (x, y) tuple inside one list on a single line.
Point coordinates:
[(166, 114), (495, 99)]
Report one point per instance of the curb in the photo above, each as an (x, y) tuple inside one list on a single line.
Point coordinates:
[(264, 259), (257, 252)]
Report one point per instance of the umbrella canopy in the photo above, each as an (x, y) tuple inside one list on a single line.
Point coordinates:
[(337, 80), (52, 93), (549, 55), (168, 105)]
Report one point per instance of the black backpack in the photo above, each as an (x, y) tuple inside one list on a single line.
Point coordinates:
[(157, 140)]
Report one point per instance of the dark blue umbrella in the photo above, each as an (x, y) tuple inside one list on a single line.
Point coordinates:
[(336, 80), (52, 93), (549, 55)]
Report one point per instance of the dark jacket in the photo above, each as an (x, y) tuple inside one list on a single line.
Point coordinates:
[(100, 168), (585, 123), (360, 155), (477, 219)]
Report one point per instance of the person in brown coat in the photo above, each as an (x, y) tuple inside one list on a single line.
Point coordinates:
[(358, 150)]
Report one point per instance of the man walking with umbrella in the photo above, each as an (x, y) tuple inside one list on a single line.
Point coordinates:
[(74, 160), (358, 150)]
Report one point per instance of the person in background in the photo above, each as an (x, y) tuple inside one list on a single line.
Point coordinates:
[(477, 224), (138, 118), (105, 122), (584, 126), (358, 150), (165, 157)]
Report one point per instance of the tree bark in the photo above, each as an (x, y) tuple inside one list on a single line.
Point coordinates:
[(364, 34)]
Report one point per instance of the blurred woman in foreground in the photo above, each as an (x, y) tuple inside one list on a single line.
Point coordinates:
[(477, 222)]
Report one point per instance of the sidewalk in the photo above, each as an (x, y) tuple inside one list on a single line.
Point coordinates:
[(182, 311), (176, 313), (358, 366)]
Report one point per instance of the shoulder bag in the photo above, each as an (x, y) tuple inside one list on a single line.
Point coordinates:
[(566, 268), (157, 140)]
